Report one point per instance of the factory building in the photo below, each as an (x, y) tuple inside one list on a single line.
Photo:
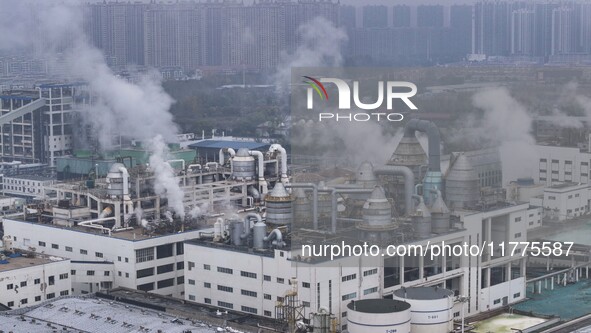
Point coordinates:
[(236, 234), (561, 164), (28, 279), (27, 186), (566, 201)]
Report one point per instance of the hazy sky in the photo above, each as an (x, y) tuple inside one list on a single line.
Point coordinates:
[(409, 2)]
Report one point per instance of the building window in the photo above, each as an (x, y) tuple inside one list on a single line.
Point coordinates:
[(205, 266), (225, 288), (64, 293), (107, 273), (267, 296), (192, 282), (180, 280), (24, 301), (41, 243), (126, 275), (267, 313), (119, 258), (55, 246), (207, 300), (37, 298), (248, 274), (249, 309), (90, 273), (248, 293), (10, 304), (497, 301), (140, 273), (267, 277), (83, 251), (370, 291), (370, 272), (37, 281), (207, 285), (191, 297), (349, 296), (9, 286), (143, 255), (73, 272), (68, 248), (517, 235), (23, 283), (348, 277), (98, 254), (180, 265), (63, 276), (305, 284), (280, 280), (51, 280), (225, 270), (146, 286), (516, 295), (164, 251), (165, 269), (226, 305), (518, 219), (165, 283), (50, 295)]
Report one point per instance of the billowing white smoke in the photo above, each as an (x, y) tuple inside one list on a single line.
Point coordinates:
[(195, 212), (321, 43), (138, 110), (507, 123), (165, 183)]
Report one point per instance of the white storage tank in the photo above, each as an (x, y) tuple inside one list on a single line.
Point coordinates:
[(431, 308), (378, 316)]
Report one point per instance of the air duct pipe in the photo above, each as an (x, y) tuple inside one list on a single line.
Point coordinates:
[(314, 199), (223, 151), (433, 177), (432, 132), (106, 212), (247, 223), (276, 238), (261, 159), (409, 182), (333, 196), (278, 148), (128, 210)]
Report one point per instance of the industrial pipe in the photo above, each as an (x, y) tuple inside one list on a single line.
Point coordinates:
[(223, 156), (432, 132), (254, 192), (278, 148), (247, 223), (128, 204), (314, 199), (409, 182), (333, 196), (261, 159), (276, 237)]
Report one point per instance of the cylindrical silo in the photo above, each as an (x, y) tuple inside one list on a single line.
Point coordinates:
[(462, 185), (377, 210), (378, 316), (236, 229), (302, 211), (243, 165), (279, 206), (421, 219), (440, 216), (259, 232), (431, 308)]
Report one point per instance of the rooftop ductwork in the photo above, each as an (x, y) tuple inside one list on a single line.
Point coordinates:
[(409, 182), (433, 178)]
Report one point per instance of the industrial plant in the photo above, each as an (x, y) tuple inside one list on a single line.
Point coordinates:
[(232, 238)]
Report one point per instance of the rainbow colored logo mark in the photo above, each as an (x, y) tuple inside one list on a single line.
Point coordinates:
[(318, 86)]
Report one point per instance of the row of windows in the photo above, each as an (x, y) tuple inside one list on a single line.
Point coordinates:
[(38, 298), (370, 272), (70, 249), (349, 277), (161, 284), (50, 280), (162, 251)]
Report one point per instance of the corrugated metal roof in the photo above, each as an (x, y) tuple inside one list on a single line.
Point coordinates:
[(219, 144)]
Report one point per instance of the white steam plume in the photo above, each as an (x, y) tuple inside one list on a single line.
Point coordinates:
[(165, 182), (320, 46), (507, 123)]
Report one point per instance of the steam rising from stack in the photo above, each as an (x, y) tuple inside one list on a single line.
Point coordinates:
[(165, 182)]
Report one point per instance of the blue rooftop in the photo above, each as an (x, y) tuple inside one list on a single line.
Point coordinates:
[(219, 144)]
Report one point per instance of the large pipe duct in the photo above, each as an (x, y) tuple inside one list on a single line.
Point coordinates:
[(432, 132), (409, 182), (278, 148), (261, 159), (247, 223), (128, 210), (276, 238), (314, 199), (223, 151), (333, 196)]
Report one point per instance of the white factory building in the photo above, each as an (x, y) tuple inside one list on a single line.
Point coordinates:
[(561, 164), (29, 279), (257, 281), (564, 201)]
